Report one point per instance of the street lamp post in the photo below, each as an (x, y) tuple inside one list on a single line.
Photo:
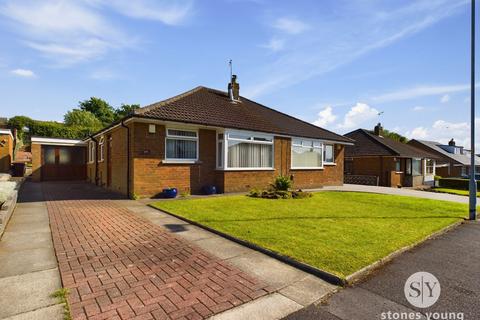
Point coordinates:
[(473, 183)]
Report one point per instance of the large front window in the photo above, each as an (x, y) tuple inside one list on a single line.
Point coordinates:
[(249, 151), (181, 145), (417, 167), (308, 154)]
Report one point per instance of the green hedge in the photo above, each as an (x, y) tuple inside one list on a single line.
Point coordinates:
[(455, 183)]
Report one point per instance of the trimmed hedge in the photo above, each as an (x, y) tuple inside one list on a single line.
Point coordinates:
[(455, 183)]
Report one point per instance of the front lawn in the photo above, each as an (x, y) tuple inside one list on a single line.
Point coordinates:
[(339, 232)]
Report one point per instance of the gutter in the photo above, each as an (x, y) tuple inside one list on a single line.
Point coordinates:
[(128, 155), (96, 158)]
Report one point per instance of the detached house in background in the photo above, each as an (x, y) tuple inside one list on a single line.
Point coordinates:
[(206, 137), (6, 150), (453, 160), (378, 160)]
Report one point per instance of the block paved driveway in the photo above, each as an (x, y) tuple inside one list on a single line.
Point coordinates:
[(119, 266)]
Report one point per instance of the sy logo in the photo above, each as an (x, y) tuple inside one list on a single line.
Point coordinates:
[(422, 289)]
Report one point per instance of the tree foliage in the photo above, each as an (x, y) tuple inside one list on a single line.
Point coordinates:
[(125, 110), (395, 136), (100, 108), (82, 118)]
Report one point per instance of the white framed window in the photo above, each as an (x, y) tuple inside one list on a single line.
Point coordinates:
[(328, 154), (243, 150), (91, 152), (220, 150), (307, 154), (181, 145), (101, 147), (417, 167), (430, 166)]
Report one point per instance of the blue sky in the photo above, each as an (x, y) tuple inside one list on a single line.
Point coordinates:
[(333, 63)]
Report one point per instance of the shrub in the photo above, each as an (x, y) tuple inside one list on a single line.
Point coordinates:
[(255, 193), (282, 183), (455, 183), (301, 194)]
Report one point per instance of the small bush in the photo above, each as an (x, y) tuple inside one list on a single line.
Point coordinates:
[(255, 193), (282, 183), (301, 194)]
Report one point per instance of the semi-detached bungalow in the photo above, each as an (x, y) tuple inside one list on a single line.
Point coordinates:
[(206, 137)]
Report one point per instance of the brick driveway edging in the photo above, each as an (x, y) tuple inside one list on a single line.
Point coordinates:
[(117, 265)]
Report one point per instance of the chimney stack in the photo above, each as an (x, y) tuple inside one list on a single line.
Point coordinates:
[(234, 89), (451, 143), (378, 130)]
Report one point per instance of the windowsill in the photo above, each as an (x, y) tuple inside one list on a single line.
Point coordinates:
[(398, 172), (329, 164), (307, 168), (171, 161)]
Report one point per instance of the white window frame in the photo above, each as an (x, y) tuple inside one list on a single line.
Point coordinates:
[(101, 147), (91, 152), (305, 145), (328, 163), (426, 166), (229, 135), (222, 166), (174, 137)]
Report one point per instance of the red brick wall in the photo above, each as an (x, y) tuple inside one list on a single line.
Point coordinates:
[(36, 150), (151, 175), (6, 152)]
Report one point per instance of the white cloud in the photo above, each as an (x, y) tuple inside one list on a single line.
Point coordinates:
[(418, 108), (25, 73), (445, 98), (420, 91), (359, 114), (325, 117), (442, 131), (290, 25), (69, 32), (167, 12), (336, 43), (275, 44)]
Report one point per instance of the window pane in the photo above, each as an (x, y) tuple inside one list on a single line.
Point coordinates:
[(297, 142), (249, 155), (408, 169), (239, 136), (328, 153), (182, 133), (416, 167), (64, 156), (306, 157), (181, 149), (220, 154), (398, 166), (49, 155)]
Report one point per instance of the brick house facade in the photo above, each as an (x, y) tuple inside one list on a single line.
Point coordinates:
[(6, 150), (204, 138), (392, 163)]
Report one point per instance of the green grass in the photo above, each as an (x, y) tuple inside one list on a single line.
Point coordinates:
[(61, 295), (339, 232), (453, 191)]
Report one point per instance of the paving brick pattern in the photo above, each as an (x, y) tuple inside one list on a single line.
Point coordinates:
[(119, 266)]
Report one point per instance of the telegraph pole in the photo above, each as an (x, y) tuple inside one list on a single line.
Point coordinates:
[(473, 183)]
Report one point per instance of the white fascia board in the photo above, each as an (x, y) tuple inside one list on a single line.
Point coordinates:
[(6, 131), (57, 141)]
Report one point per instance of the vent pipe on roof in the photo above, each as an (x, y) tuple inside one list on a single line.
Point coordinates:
[(451, 143), (234, 89)]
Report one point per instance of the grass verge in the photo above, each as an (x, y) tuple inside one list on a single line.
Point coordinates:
[(338, 232), (61, 295)]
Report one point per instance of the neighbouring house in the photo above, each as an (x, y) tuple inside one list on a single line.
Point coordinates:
[(453, 160), (379, 160), (206, 137), (6, 150)]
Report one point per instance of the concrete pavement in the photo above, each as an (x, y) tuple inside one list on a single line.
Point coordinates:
[(28, 266), (453, 258), (397, 191)]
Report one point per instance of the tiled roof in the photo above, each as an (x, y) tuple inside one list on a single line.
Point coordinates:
[(459, 158), (369, 144), (212, 107)]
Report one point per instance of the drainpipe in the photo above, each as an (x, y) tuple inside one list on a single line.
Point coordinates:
[(128, 156), (96, 158)]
